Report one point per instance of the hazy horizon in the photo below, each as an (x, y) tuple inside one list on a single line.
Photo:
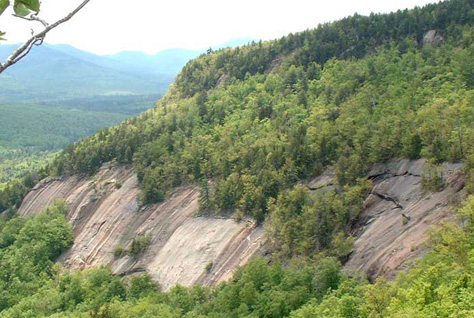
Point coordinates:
[(105, 28), (147, 53)]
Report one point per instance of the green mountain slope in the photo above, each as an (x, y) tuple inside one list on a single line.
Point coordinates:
[(48, 73), (59, 94), (256, 121), (29, 134), (94, 91), (258, 118), (58, 72), (30, 126)]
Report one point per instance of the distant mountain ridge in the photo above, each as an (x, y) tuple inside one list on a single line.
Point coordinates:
[(169, 61), (52, 72)]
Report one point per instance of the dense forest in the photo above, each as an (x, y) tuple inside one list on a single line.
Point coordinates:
[(16, 163), (248, 124), (32, 134), (59, 95), (260, 130), (440, 285), (48, 128)]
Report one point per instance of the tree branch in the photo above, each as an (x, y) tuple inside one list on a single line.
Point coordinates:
[(36, 39), (33, 17)]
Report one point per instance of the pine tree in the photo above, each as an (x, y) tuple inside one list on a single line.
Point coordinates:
[(204, 197)]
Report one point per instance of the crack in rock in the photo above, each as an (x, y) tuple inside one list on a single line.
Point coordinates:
[(133, 271), (389, 199), (98, 229), (320, 187), (387, 175)]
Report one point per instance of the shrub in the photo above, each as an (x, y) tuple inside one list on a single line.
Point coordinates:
[(209, 267), (119, 251), (139, 245), (432, 177)]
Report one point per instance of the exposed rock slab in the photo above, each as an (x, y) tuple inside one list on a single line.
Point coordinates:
[(433, 37), (324, 180), (393, 227), (390, 232), (105, 214)]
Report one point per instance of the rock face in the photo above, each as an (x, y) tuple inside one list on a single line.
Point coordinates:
[(393, 227), (433, 38), (390, 232), (184, 249)]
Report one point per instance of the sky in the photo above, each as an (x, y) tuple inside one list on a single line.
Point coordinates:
[(111, 26)]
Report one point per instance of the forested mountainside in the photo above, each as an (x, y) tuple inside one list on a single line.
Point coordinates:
[(55, 73), (257, 119), (58, 95), (251, 125), (57, 85)]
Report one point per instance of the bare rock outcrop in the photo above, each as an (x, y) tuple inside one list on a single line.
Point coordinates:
[(184, 249), (392, 229), (389, 233), (433, 38)]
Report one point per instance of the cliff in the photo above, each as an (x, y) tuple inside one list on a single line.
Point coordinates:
[(393, 228), (389, 234), (184, 249)]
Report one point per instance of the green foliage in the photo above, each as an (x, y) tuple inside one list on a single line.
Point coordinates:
[(209, 267), (28, 247), (29, 135), (301, 223), (3, 5), (440, 285), (258, 132), (119, 251), (141, 286), (21, 7), (258, 290), (256, 121), (204, 198), (432, 177), (13, 192), (49, 128), (469, 172), (25, 7), (352, 37), (139, 245), (16, 163)]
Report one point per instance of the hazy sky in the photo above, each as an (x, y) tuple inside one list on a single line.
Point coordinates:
[(110, 26)]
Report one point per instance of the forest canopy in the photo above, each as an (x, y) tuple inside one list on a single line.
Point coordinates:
[(258, 118), (250, 125)]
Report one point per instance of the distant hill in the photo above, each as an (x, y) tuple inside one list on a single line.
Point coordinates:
[(59, 94), (165, 62), (52, 72), (59, 72), (168, 61)]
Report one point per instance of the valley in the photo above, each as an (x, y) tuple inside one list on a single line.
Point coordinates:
[(60, 94), (326, 173)]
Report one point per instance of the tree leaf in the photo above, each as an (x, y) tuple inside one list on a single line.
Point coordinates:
[(33, 5), (20, 9), (3, 5), (1, 36)]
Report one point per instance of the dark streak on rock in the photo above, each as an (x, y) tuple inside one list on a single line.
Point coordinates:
[(388, 198)]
